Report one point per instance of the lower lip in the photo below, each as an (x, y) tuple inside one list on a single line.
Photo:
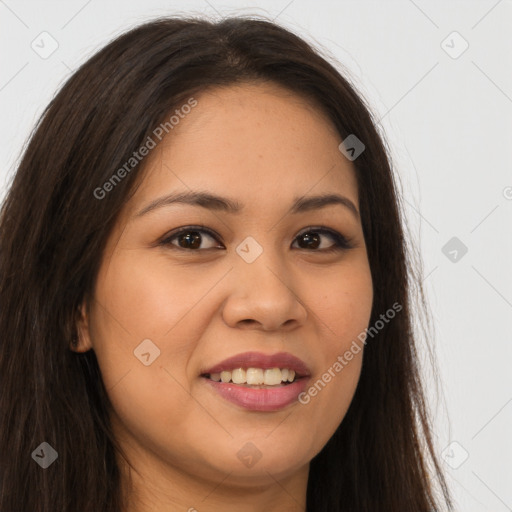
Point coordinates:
[(263, 399)]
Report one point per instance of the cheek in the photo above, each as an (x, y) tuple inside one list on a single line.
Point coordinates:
[(145, 325), (129, 317), (144, 328), (150, 297), (343, 308), (343, 304)]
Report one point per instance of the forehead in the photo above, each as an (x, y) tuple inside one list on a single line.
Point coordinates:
[(259, 143)]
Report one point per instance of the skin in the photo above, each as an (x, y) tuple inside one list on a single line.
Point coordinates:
[(263, 146)]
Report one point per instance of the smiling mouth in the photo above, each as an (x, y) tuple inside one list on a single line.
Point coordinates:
[(255, 377), (257, 397)]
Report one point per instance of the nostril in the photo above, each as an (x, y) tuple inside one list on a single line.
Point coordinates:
[(247, 322)]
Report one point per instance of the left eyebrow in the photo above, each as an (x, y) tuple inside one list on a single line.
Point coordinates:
[(218, 203)]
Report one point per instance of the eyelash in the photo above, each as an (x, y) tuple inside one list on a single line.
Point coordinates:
[(341, 242)]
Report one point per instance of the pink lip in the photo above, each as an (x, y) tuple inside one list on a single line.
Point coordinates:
[(264, 361), (264, 399)]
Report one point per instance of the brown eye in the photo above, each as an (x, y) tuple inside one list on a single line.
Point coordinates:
[(312, 240), (189, 238)]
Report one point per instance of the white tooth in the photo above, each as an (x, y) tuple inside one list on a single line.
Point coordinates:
[(238, 376), (254, 376), (272, 376), (215, 376), (284, 374), (291, 375), (225, 376)]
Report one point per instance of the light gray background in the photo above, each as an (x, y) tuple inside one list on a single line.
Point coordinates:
[(448, 123)]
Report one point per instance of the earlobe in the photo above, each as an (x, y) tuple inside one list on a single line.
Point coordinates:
[(81, 342)]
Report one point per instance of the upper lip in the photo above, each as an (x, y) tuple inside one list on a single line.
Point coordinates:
[(264, 361)]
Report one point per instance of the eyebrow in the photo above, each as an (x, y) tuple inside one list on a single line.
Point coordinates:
[(218, 203)]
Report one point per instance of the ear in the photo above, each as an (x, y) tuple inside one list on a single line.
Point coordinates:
[(83, 341)]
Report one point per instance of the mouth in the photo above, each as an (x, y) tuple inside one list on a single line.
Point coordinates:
[(253, 369), (257, 397), (256, 378), (258, 382)]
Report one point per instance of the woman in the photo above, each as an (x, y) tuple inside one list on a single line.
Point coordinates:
[(273, 368)]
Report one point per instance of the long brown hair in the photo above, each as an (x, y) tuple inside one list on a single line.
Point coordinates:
[(53, 229)]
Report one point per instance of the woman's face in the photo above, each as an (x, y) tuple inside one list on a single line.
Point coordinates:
[(167, 309)]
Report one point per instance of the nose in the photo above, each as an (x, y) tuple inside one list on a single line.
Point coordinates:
[(262, 297)]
